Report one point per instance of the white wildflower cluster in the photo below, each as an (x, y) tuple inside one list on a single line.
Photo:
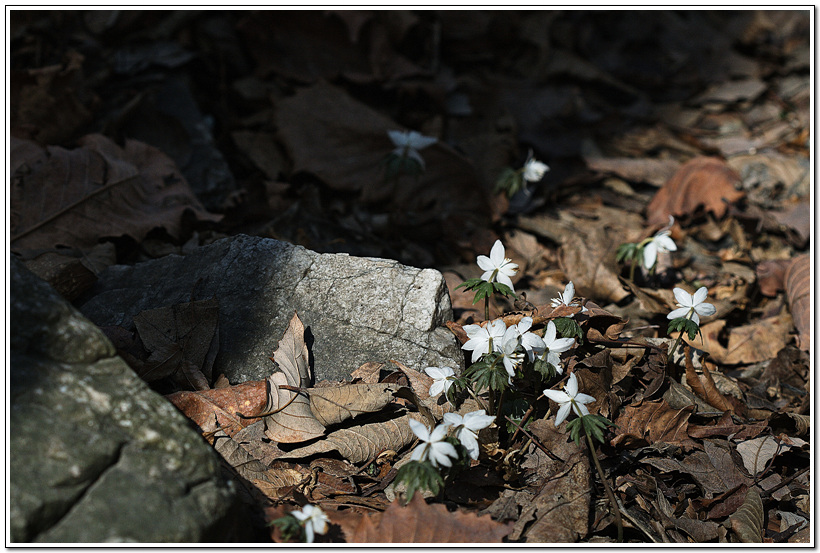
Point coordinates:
[(436, 449)]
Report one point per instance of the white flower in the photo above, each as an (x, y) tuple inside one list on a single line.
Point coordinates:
[(529, 340), (497, 267), (467, 427), (511, 358), (433, 446), (566, 298), (661, 242), (314, 520), (408, 143), (442, 379), (481, 336), (553, 346), (691, 304), (569, 399), (533, 169)]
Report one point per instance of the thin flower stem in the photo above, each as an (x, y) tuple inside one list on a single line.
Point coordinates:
[(632, 270), (611, 496), (478, 399), (487, 308), (680, 336)]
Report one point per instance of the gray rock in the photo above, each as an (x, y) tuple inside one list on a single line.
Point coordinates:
[(95, 455), (357, 309)]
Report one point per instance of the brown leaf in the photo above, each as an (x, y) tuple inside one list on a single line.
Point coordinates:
[(653, 171), (418, 522), (771, 276), (702, 181), (725, 427), (293, 420), (368, 373), (180, 340), (652, 300), (752, 343), (713, 469), (798, 290), (650, 422), (75, 197), (705, 386), (361, 443), (747, 522), (339, 403), (590, 264), (224, 404)]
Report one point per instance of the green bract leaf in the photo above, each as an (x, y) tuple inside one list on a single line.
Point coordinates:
[(569, 328), (470, 284), (488, 372), (547, 370), (503, 289), (510, 181), (685, 325), (594, 425), (516, 409), (396, 165), (626, 252), (419, 475)]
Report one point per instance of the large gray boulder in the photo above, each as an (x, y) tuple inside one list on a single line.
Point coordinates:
[(95, 455), (357, 309)]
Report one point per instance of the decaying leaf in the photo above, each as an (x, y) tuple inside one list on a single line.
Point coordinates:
[(705, 386), (362, 443), (713, 469), (292, 421), (219, 408), (757, 453), (702, 181), (798, 290), (589, 262), (750, 343), (75, 197), (418, 522), (650, 422), (747, 522), (336, 404)]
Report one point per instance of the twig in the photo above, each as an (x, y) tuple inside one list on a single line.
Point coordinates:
[(549, 453)]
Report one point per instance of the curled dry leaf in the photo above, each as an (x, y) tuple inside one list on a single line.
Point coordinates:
[(418, 522), (798, 290), (650, 422), (747, 522), (705, 386), (702, 181), (75, 197), (292, 420)]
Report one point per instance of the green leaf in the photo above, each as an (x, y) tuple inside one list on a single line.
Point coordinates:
[(419, 475), (594, 425), (470, 284), (569, 328), (485, 289), (290, 527), (503, 289), (515, 409), (685, 325), (488, 372), (547, 370), (396, 165), (626, 252), (510, 181)]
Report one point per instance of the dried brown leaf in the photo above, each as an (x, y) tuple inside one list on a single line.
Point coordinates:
[(771, 276), (219, 408), (650, 422), (713, 469), (798, 290), (418, 522), (702, 181), (705, 386), (362, 443), (339, 403), (757, 453), (293, 421), (589, 262), (75, 197), (752, 343), (652, 171), (747, 522)]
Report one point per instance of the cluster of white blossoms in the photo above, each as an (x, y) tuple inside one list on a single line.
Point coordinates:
[(436, 449)]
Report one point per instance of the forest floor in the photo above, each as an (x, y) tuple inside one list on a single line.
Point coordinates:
[(276, 125)]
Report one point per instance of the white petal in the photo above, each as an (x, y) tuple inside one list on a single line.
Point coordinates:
[(549, 335), (683, 297), (485, 264), (496, 329), (705, 309), (695, 318), (580, 409), (562, 344), (436, 388), (510, 365), (497, 254), (300, 515), (419, 430), (419, 141), (418, 453), (557, 396), (414, 154), (532, 341), (584, 398), (470, 441), (524, 325), (452, 419), (569, 293), (700, 295), (438, 433), (650, 255), (477, 420), (309, 532), (679, 312), (666, 242), (504, 279), (572, 386), (399, 138), (508, 269), (472, 330), (563, 412), (440, 453)]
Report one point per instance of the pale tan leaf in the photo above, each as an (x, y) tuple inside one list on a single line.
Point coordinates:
[(747, 522), (361, 443), (418, 522), (292, 421), (337, 404), (757, 453)]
